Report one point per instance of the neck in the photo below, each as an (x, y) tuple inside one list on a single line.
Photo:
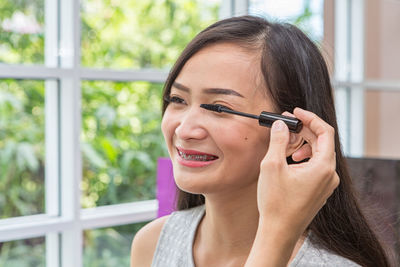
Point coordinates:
[(228, 229), (231, 221)]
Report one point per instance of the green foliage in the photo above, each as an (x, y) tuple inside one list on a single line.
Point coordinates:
[(21, 148), (109, 246), (23, 253), (140, 33), (121, 141), (25, 45), (121, 137)]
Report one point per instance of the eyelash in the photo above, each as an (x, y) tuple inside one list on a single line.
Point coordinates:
[(174, 99), (178, 100), (223, 106)]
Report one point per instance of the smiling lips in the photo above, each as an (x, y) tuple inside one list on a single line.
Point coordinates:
[(192, 158)]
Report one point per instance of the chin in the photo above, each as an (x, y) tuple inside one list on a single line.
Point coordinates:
[(196, 183)]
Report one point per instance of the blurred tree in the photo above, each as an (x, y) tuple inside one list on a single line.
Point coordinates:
[(22, 31), (121, 138), (121, 121)]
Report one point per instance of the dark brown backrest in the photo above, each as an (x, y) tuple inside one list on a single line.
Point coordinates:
[(378, 184)]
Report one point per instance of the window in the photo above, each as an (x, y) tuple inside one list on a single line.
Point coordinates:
[(306, 14), (26, 252), (80, 85), (367, 87), (22, 32), (80, 95), (120, 141), (22, 149)]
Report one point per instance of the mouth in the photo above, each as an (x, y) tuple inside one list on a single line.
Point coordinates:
[(192, 155)]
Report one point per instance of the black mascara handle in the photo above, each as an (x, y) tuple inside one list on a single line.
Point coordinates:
[(267, 118)]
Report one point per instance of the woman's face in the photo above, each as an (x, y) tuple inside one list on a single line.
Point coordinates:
[(212, 152)]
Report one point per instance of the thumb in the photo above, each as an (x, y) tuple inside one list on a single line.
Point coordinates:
[(279, 140)]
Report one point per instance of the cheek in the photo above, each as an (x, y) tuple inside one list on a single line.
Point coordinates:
[(250, 140), (167, 126), (164, 126), (256, 141)]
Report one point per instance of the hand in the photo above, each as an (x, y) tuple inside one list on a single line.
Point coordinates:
[(289, 196)]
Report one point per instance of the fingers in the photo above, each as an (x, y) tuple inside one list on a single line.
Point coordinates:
[(279, 140), (333, 184), (335, 181), (303, 153), (317, 132)]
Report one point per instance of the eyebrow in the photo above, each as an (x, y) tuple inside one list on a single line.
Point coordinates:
[(218, 91)]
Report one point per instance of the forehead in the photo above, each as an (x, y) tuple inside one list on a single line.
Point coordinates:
[(223, 65)]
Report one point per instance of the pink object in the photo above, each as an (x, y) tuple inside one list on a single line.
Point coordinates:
[(166, 188)]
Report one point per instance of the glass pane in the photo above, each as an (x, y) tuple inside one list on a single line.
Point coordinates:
[(109, 246), (141, 33), (381, 124), (23, 253), (382, 39), (21, 147), (22, 31), (121, 141), (306, 14), (379, 111)]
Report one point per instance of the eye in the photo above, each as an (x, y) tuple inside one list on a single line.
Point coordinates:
[(223, 106), (174, 99)]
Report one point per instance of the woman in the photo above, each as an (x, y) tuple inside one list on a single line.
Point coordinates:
[(250, 195)]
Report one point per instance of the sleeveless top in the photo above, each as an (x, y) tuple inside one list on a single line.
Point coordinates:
[(175, 245)]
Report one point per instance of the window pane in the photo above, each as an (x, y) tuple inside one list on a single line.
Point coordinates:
[(21, 147), (109, 246), (141, 33), (306, 14), (382, 39), (121, 141), (23, 253), (22, 31), (381, 124)]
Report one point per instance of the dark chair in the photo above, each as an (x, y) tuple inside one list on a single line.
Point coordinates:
[(378, 184)]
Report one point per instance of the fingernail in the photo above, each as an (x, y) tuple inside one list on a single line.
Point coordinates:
[(278, 126)]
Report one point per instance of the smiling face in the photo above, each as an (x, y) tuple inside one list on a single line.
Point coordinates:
[(214, 152)]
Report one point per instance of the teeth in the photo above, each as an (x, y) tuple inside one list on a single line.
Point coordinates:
[(195, 157)]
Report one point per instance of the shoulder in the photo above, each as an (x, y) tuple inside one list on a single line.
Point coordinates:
[(331, 259), (312, 255), (145, 242), (151, 241)]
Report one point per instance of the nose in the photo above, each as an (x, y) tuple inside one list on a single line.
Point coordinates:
[(191, 125)]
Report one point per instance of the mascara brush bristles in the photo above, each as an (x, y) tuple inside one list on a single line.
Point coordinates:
[(219, 108), (216, 108)]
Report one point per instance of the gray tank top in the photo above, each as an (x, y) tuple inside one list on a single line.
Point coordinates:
[(175, 245)]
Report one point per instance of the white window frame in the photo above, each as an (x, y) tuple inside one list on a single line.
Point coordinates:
[(349, 70), (349, 79), (64, 220)]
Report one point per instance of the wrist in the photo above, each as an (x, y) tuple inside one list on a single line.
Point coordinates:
[(288, 230), (283, 235), (273, 245)]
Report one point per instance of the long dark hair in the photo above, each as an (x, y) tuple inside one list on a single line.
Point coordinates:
[(295, 75)]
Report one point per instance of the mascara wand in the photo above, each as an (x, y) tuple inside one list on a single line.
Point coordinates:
[(265, 119)]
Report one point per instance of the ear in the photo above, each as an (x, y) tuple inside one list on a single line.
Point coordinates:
[(295, 142)]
